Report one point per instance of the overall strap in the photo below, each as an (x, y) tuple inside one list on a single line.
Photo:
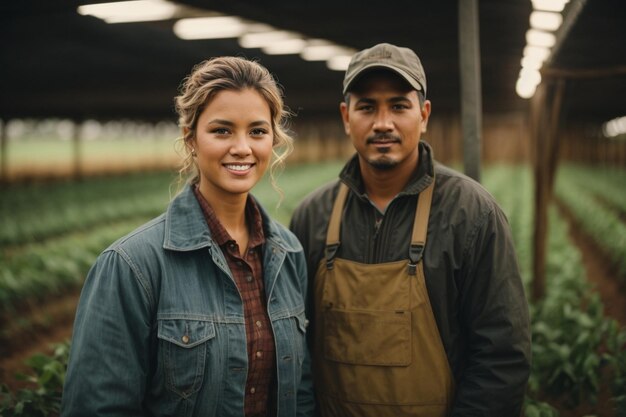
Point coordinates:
[(420, 227), (332, 236), (418, 237)]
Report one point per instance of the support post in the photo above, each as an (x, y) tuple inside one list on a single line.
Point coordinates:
[(77, 151), (4, 160), (471, 99), (545, 140), (537, 106), (554, 134)]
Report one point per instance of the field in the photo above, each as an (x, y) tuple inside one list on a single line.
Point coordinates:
[(51, 232), (36, 156)]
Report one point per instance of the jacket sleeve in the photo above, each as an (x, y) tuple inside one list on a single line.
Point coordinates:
[(306, 396), (109, 358), (494, 314)]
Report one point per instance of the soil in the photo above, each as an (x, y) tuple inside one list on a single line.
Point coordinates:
[(607, 282), (599, 270), (34, 329)]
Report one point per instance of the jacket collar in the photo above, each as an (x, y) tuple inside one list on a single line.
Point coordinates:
[(187, 230), (423, 177)]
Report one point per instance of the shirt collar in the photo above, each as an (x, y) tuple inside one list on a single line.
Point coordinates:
[(186, 228), (220, 234)]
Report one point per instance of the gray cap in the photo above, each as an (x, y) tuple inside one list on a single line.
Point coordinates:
[(402, 61)]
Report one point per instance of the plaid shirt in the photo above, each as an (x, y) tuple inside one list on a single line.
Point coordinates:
[(248, 275)]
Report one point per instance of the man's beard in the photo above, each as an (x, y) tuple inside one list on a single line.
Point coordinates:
[(382, 162)]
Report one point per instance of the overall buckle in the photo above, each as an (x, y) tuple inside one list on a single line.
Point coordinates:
[(415, 256), (331, 252)]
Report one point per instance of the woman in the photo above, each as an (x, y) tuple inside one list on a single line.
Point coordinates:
[(200, 312)]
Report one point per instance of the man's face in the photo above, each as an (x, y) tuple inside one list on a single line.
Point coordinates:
[(385, 121)]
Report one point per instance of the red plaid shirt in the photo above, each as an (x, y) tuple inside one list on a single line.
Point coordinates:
[(248, 275)]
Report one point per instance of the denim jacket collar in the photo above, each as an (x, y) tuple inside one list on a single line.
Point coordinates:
[(186, 228)]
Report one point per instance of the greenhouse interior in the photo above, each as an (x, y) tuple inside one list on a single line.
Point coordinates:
[(527, 98)]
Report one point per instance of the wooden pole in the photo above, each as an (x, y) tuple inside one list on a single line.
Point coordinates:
[(471, 99), (537, 123), (4, 168), (545, 138), (77, 151), (554, 139)]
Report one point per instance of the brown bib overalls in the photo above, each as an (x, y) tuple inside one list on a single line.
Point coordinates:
[(377, 349)]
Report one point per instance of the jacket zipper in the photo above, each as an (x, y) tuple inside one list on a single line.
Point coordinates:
[(381, 236), (372, 243)]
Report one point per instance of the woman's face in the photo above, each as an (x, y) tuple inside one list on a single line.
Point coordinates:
[(233, 143)]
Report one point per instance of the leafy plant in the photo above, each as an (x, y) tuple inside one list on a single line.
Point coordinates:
[(39, 270), (32, 212), (534, 408), (573, 342), (47, 378), (600, 222)]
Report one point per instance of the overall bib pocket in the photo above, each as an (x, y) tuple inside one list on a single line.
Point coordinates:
[(183, 344), (368, 337)]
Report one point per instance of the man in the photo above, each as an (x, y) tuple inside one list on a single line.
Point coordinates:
[(419, 309)]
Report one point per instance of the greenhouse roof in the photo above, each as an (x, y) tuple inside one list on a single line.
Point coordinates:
[(55, 62)]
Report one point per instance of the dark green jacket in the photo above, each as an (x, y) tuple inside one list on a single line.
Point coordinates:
[(471, 270)]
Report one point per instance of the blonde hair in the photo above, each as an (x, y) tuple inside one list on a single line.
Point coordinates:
[(229, 73)]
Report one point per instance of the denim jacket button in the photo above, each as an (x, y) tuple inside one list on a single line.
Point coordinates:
[(185, 339)]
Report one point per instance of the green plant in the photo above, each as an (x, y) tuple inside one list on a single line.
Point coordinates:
[(39, 270), (616, 345), (606, 185), (30, 213), (48, 374), (534, 408), (600, 222), (574, 344)]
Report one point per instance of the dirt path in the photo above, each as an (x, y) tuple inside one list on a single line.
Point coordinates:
[(33, 330), (599, 271)]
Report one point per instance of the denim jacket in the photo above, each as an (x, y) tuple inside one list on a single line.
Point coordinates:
[(159, 329)]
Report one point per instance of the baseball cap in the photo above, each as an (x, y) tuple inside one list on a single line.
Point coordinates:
[(402, 61)]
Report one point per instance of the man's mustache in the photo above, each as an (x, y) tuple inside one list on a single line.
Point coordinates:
[(382, 137)]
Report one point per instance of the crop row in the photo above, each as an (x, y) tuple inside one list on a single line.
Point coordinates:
[(49, 268), (606, 185), (295, 183), (573, 342), (601, 223), (31, 213), (32, 271)]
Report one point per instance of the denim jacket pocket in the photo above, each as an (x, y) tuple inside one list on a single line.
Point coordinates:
[(183, 344)]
